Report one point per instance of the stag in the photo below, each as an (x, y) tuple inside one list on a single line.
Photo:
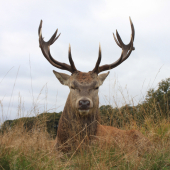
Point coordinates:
[(80, 117)]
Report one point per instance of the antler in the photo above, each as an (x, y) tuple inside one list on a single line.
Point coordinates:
[(45, 48), (126, 51)]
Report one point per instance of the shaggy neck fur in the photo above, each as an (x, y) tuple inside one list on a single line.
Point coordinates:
[(75, 127)]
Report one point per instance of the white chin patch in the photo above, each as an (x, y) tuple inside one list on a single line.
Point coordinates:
[(84, 112)]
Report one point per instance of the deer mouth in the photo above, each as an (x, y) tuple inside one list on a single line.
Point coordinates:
[(83, 111), (84, 108)]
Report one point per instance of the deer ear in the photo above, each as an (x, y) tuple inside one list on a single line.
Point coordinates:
[(102, 77), (63, 78)]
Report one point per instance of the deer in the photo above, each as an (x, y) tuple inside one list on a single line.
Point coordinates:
[(80, 117)]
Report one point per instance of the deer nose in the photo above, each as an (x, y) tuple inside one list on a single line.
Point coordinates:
[(84, 104)]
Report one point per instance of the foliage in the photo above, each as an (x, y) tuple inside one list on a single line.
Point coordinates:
[(159, 100), (156, 106), (118, 117), (46, 121)]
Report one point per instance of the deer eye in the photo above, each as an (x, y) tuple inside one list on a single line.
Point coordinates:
[(72, 87), (96, 88)]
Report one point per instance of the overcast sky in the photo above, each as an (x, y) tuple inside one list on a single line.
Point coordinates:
[(27, 83)]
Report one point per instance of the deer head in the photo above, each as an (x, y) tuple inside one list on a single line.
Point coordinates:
[(84, 86)]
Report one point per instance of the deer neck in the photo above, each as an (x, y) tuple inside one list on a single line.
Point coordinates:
[(71, 122)]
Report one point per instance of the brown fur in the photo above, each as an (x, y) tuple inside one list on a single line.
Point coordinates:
[(74, 127), (71, 123), (128, 140), (84, 77)]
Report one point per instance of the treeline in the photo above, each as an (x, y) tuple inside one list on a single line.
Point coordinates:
[(44, 121), (156, 107)]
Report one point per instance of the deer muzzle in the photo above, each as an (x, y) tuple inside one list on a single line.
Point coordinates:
[(84, 104)]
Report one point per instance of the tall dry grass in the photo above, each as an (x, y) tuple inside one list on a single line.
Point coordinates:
[(21, 149)]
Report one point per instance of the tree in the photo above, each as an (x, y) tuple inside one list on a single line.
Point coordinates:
[(157, 102)]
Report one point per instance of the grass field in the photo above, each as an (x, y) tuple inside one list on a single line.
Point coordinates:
[(20, 149)]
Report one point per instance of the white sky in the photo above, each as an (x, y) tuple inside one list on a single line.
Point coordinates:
[(83, 24)]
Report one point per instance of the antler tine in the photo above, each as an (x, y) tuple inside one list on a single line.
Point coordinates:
[(119, 39), (116, 41), (45, 48), (54, 38), (96, 68), (71, 60), (125, 54), (39, 29), (126, 50), (132, 29)]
